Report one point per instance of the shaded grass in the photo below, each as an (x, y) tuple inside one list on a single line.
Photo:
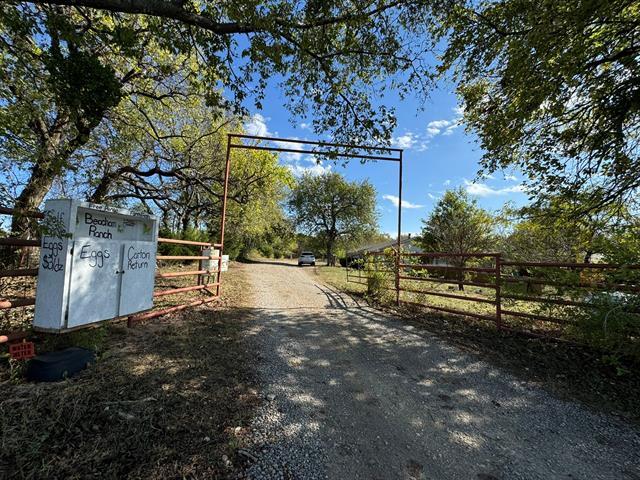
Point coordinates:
[(166, 399)]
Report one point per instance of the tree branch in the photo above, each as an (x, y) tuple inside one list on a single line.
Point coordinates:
[(157, 8)]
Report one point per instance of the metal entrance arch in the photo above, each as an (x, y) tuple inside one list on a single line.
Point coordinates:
[(327, 149)]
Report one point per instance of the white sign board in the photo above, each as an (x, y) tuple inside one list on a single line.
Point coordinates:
[(211, 265), (97, 263)]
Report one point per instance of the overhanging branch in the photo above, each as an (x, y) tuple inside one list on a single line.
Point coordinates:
[(157, 8)]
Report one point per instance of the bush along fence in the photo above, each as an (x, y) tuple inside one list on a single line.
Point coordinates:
[(591, 303), (178, 284)]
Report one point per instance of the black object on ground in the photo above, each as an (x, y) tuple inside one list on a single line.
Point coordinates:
[(54, 366)]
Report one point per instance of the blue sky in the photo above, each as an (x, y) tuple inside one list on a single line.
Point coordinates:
[(438, 155)]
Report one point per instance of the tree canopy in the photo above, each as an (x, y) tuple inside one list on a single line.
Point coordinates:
[(332, 208), (332, 60), (551, 87), (457, 225)]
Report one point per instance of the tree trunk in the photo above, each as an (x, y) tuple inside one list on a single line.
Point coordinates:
[(49, 164), (461, 263), (43, 174), (331, 261), (101, 191), (185, 222)]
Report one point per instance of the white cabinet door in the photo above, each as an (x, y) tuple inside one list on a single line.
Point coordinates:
[(138, 276), (95, 282)]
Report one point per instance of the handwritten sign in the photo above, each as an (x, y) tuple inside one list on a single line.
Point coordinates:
[(52, 254), (138, 277), (112, 226)]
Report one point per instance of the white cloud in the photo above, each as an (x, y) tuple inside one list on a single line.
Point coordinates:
[(444, 127), (317, 169), (305, 126), (405, 204), (257, 125), (512, 178), (483, 190), (451, 128), (407, 140), (458, 110), (432, 196), (439, 124), (423, 146), (447, 183), (290, 156)]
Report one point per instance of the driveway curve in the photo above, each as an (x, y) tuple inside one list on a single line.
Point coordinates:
[(351, 392)]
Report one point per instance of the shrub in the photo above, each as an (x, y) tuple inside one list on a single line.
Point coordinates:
[(379, 279), (266, 250), (613, 325)]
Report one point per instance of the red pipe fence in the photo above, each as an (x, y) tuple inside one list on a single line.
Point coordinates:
[(537, 298)]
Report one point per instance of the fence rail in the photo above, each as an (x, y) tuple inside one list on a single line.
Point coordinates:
[(538, 298)]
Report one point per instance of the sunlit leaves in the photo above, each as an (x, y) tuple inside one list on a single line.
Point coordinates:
[(552, 88)]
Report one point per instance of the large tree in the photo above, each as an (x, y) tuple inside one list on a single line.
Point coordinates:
[(551, 87), (550, 231), (62, 73), (332, 208), (458, 225)]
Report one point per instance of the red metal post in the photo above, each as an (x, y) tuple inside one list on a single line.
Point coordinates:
[(399, 231), (498, 291), (225, 191)]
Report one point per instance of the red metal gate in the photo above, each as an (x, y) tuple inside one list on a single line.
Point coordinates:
[(202, 287)]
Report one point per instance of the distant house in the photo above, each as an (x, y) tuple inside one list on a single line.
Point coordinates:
[(407, 245)]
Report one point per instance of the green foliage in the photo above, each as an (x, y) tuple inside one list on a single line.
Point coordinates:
[(380, 277), (332, 208), (266, 250), (82, 85), (255, 214), (191, 234), (551, 231), (613, 325), (550, 87), (458, 225)]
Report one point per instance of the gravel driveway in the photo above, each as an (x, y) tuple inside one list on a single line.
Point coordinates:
[(354, 393)]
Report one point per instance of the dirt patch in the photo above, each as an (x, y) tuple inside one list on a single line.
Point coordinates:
[(169, 398)]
